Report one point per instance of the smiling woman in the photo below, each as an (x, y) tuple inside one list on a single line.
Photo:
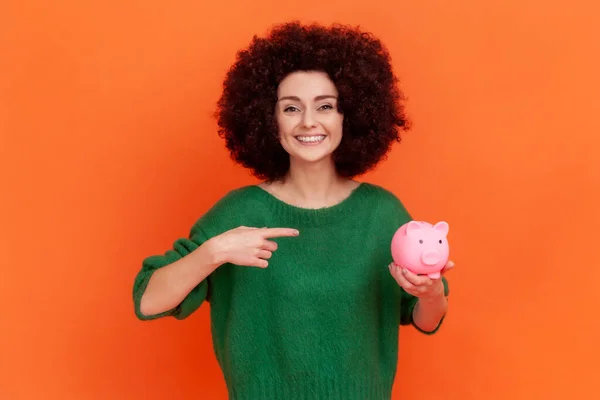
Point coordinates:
[(329, 110)]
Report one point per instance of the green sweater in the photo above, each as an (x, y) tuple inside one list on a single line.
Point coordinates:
[(322, 321)]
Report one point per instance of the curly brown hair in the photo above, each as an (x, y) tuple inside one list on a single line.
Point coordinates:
[(357, 63)]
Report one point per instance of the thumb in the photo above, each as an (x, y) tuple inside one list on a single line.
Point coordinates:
[(449, 265)]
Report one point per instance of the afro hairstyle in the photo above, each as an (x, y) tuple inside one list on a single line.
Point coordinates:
[(358, 64)]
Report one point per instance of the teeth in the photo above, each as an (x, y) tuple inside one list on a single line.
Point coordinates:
[(310, 139)]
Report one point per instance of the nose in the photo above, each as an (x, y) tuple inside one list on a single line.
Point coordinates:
[(430, 257), (308, 119)]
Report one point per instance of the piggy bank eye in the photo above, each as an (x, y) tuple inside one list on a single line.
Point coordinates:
[(421, 241), (440, 241)]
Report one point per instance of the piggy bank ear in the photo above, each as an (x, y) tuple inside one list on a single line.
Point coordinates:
[(442, 227), (412, 228)]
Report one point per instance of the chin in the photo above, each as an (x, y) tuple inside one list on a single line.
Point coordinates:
[(302, 157)]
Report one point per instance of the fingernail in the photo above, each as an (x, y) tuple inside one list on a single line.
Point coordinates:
[(404, 271), (296, 232)]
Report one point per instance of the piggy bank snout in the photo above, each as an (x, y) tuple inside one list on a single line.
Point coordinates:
[(431, 257)]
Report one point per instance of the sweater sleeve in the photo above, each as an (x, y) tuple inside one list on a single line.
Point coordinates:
[(181, 248)]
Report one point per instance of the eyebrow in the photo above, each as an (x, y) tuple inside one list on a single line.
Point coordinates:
[(296, 98)]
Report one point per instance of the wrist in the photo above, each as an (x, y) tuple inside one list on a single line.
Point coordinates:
[(210, 255), (433, 304), (436, 295)]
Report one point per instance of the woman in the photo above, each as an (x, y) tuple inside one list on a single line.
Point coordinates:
[(305, 301)]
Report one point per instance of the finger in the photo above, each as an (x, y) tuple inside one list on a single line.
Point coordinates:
[(260, 263), (393, 271), (269, 245), (449, 265), (264, 254), (415, 279), (278, 232), (400, 278)]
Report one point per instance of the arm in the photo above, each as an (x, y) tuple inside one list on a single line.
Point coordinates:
[(169, 286), (175, 283), (429, 311), (424, 302)]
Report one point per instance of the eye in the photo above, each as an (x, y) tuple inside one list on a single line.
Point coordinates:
[(326, 107), (421, 241), (290, 109), (440, 241)]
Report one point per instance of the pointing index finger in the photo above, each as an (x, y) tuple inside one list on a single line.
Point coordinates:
[(279, 232)]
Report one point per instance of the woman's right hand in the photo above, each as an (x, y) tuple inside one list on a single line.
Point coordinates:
[(247, 246)]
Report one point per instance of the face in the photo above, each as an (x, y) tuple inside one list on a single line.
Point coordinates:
[(310, 125)]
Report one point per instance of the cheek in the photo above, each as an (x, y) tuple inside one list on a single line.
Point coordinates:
[(285, 126), (335, 125)]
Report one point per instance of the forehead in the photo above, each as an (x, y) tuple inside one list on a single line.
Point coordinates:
[(307, 84)]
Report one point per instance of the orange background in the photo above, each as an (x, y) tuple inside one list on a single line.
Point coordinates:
[(109, 153)]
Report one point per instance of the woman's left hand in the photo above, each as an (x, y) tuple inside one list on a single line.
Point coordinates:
[(420, 286)]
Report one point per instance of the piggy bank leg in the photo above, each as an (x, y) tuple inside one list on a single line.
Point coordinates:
[(434, 275)]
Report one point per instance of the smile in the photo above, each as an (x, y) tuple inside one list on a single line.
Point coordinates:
[(314, 139)]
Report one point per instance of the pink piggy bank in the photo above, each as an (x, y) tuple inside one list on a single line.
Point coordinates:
[(421, 248)]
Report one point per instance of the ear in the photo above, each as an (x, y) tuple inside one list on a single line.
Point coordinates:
[(442, 226), (412, 228)]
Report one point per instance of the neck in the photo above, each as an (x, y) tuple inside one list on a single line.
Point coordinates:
[(314, 182)]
